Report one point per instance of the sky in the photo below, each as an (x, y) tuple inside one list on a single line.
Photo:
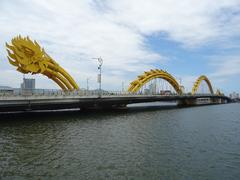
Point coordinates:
[(187, 38)]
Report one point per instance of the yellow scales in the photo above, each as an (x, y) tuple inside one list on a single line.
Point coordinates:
[(29, 57), (147, 76)]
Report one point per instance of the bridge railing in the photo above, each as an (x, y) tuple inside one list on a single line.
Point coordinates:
[(94, 93), (66, 93)]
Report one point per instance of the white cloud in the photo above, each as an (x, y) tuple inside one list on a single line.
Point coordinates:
[(225, 72), (190, 22), (73, 32), (226, 66)]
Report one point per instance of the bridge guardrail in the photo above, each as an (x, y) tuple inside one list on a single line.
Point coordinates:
[(81, 93)]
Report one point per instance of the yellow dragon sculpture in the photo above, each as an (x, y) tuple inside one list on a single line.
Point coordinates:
[(29, 57)]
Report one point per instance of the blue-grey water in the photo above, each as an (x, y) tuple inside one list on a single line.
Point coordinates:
[(139, 143)]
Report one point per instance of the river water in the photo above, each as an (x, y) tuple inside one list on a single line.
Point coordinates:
[(138, 143)]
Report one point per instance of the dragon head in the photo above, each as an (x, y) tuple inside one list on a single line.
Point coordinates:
[(27, 55)]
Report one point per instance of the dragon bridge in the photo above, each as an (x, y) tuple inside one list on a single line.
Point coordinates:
[(198, 82), (29, 57), (153, 74)]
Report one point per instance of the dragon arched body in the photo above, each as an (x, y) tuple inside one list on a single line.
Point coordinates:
[(29, 57)]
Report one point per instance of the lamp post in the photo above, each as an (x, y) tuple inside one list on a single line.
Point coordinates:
[(99, 79), (88, 78), (122, 87), (87, 84), (181, 86), (180, 81)]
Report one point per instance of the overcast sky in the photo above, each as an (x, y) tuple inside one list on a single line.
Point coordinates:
[(187, 38)]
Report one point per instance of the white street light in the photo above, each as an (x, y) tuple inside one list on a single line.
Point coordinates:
[(99, 79)]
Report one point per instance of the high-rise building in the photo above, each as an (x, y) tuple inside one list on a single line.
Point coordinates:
[(28, 84), (153, 88)]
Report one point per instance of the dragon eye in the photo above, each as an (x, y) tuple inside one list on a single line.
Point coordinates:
[(28, 51)]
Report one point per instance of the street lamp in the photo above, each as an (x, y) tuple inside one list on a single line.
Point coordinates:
[(88, 78), (181, 86), (99, 79), (122, 87)]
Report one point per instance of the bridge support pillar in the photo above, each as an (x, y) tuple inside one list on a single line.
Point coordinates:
[(224, 101), (218, 101), (187, 102), (215, 101), (103, 107)]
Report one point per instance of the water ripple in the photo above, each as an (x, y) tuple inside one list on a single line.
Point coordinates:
[(189, 143)]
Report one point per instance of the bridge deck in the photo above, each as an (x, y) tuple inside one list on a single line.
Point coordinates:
[(23, 103)]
